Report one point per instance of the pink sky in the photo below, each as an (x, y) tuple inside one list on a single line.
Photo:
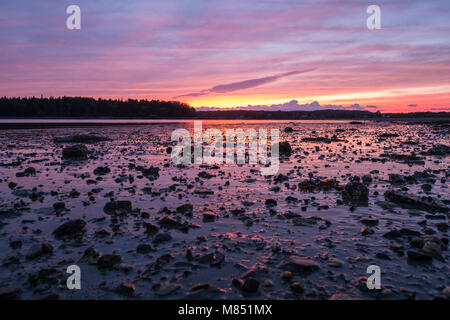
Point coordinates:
[(231, 53)]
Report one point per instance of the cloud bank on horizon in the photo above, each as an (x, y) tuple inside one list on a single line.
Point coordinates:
[(294, 105), (177, 48)]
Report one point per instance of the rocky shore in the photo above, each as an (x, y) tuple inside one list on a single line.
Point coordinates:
[(110, 200)]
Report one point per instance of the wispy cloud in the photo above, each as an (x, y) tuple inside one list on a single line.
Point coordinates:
[(246, 84)]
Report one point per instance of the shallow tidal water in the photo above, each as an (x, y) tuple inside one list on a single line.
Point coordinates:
[(175, 254)]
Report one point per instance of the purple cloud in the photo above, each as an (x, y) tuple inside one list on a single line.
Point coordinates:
[(246, 84)]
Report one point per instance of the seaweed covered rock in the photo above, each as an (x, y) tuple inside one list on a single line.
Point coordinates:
[(285, 149), (410, 201), (355, 193), (72, 229), (77, 151)]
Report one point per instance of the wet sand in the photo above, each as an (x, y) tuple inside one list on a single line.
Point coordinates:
[(226, 232)]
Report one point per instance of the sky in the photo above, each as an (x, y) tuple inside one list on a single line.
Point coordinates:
[(230, 53)]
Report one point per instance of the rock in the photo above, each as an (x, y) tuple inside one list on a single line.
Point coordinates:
[(26, 173), (367, 179), (438, 150), (446, 291), (268, 283), (218, 259), (271, 203), (389, 135), (121, 207), (90, 256), (367, 231), (397, 247), (78, 151), (288, 130), (125, 288), (418, 256), (386, 205), (343, 296), (432, 247), (416, 242), (285, 149), (101, 171), (82, 138), (413, 202), (297, 287), (405, 158), (426, 187), (209, 216), (9, 292), (16, 244), (46, 296), (151, 173), (214, 259), (167, 289), (170, 223), (150, 229), (335, 263), (206, 175), (250, 285), (286, 276), (442, 226), (39, 249), (369, 221), (203, 191), (59, 206), (102, 233), (396, 179), (12, 185), (382, 255), (238, 283), (255, 271), (298, 265), (73, 229), (185, 209), (394, 234), (355, 193), (108, 261), (162, 237), (143, 248), (204, 291), (45, 276)]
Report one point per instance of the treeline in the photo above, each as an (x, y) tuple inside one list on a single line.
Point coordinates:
[(78, 107), (418, 115)]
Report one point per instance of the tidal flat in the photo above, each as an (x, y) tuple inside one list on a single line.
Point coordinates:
[(110, 200)]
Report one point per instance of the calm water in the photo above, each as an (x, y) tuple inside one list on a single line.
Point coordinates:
[(156, 121)]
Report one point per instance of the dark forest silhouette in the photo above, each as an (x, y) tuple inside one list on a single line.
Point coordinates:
[(78, 107)]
